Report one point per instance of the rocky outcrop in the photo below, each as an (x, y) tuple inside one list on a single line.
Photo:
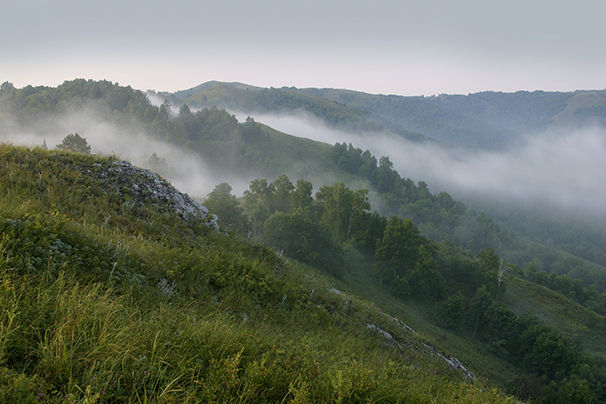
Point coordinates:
[(144, 187)]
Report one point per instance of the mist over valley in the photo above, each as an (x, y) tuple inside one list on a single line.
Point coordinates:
[(492, 236)]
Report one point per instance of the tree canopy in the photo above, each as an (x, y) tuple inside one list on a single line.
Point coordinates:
[(76, 143)]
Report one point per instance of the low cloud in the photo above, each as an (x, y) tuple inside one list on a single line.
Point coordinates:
[(563, 169), (186, 171)]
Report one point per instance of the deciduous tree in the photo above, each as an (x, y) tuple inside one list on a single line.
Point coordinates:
[(75, 142), (224, 204)]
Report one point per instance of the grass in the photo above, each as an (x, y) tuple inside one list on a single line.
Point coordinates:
[(107, 302), (558, 311), (476, 356)]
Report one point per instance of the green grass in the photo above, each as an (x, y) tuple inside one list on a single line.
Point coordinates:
[(475, 356), (107, 301), (558, 311)]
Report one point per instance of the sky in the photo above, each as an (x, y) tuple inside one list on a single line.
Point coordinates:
[(389, 47)]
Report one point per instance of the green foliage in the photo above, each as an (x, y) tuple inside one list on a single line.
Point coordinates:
[(194, 316), (342, 207), (20, 388), (400, 287), (302, 236), (301, 196), (397, 251), (546, 351), (223, 203), (248, 147), (452, 311), (208, 309), (74, 142), (284, 194), (424, 278), (55, 221), (259, 203)]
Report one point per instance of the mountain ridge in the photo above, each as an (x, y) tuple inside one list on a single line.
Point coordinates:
[(486, 120)]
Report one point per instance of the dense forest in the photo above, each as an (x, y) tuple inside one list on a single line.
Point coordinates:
[(423, 250)]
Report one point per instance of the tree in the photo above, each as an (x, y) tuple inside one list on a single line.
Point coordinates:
[(548, 352), (75, 142), (6, 87), (341, 207), (400, 288), (165, 109), (425, 279), (222, 203), (452, 310), (282, 194), (301, 196), (250, 131), (572, 390), (490, 262), (184, 111), (397, 251), (478, 307), (302, 236), (259, 202)]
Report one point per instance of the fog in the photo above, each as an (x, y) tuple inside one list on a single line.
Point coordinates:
[(185, 171), (563, 169)]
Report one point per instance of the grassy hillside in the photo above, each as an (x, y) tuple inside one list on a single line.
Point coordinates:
[(247, 150), (110, 295)]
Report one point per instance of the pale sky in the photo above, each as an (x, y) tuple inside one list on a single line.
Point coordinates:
[(390, 47)]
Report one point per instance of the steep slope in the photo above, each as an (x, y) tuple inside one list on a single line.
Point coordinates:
[(487, 120), (114, 289), (244, 151)]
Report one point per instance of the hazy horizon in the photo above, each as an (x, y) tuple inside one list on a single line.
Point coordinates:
[(380, 47)]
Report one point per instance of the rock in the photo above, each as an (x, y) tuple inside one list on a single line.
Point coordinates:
[(145, 187)]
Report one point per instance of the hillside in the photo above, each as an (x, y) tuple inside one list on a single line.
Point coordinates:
[(124, 120), (238, 97), (450, 296), (96, 251), (116, 288), (486, 120)]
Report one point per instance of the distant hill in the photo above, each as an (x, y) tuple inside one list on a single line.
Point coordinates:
[(486, 120), (238, 97)]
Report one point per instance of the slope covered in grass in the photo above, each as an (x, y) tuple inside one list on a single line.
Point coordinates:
[(111, 295)]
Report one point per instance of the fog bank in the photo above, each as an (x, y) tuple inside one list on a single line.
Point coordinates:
[(559, 168), (184, 170)]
